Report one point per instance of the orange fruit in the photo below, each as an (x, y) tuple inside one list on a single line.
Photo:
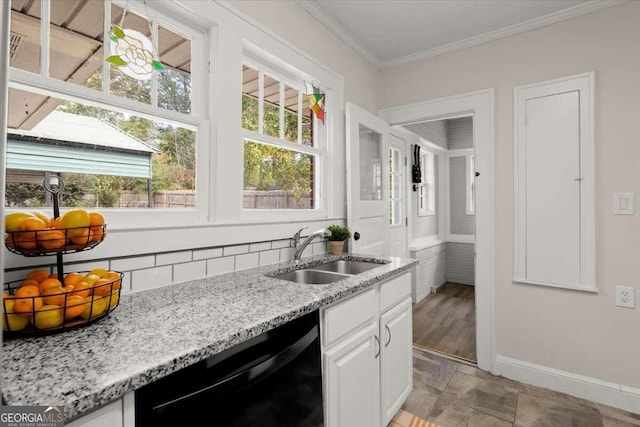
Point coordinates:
[(27, 240), (75, 221), (38, 275), (75, 306), (114, 277), (98, 233), (26, 301), (51, 239), (54, 296), (55, 223), (102, 287), (49, 316), (5, 295), (11, 240), (29, 226), (29, 283), (81, 289), (81, 236), (96, 218), (68, 288), (49, 283), (72, 279)]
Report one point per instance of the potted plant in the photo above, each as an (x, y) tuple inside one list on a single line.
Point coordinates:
[(336, 241)]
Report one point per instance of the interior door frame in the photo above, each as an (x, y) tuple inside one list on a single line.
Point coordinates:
[(400, 133), (481, 105)]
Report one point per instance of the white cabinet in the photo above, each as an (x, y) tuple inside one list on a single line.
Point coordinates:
[(119, 413), (352, 380), (367, 360), (395, 358)]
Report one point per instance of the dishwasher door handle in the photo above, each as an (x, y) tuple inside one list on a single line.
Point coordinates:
[(260, 369)]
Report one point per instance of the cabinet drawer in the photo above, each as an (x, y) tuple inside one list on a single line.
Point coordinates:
[(394, 291), (343, 318)]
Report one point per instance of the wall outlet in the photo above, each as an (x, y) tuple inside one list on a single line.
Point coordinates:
[(625, 297)]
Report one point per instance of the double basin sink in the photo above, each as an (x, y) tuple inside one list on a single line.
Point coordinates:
[(328, 272)]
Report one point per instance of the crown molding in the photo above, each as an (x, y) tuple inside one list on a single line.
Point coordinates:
[(334, 27), (338, 30)]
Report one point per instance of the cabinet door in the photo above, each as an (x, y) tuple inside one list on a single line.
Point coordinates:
[(352, 380), (396, 358), (109, 415)]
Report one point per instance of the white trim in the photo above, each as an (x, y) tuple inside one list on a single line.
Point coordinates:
[(460, 238), (427, 207), (481, 104), (555, 285), (5, 20), (469, 181), (425, 243), (338, 30), (262, 138), (584, 83), (45, 28), (343, 34), (604, 392)]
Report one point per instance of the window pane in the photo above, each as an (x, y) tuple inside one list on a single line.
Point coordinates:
[(174, 83), (75, 47), (271, 107), (291, 114), (370, 164), (307, 121), (275, 178), (249, 98), (24, 49), (121, 84), (108, 159)]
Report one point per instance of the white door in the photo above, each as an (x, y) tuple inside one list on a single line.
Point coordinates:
[(396, 358), (353, 381), (397, 192), (367, 182)]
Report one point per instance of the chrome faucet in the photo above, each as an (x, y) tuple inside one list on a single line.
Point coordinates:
[(300, 247)]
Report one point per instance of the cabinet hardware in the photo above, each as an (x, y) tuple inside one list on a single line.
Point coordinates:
[(378, 342), (389, 332)]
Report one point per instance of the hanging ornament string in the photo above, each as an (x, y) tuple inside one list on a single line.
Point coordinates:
[(133, 52)]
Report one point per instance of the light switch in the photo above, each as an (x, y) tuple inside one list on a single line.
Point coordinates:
[(623, 204)]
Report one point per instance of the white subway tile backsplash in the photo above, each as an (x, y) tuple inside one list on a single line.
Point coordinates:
[(10, 276), (218, 266), (320, 248), (126, 282), (247, 261), (207, 253), (173, 258), (151, 278), (189, 271), (270, 257), (84, 266), (235, 250), (262, 246), (277, 244), (286, 254), (135, 263)]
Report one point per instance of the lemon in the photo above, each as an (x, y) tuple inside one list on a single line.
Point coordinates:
[(13, 220), (115, 297), (49, 316), (17, 322), (75, 220), (96, 308), (44, 217), (90, 279), (98, 272)]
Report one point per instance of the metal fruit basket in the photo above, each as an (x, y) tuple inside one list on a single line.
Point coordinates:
[(54, 241), (57, 312)]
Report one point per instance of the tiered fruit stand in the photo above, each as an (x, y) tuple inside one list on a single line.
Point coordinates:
[(97, 300)]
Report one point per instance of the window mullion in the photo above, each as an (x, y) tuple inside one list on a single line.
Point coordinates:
[(281, 116), (106, 67), (154, 75), (260, 102), (45, 19), (259, 138), (299, 117)]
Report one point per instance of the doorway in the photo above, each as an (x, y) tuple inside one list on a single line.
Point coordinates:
[(480, 106), (442, 216)]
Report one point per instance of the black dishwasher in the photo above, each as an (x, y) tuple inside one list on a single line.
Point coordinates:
[(274, 379)]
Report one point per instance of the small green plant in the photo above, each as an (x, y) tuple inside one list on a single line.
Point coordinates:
[(339, 233)]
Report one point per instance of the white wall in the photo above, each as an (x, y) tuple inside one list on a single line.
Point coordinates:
[(572, 331)]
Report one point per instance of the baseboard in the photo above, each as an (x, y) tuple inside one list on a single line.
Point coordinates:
[(607, 393)]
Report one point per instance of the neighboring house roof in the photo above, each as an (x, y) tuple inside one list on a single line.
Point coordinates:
[(65, 127)]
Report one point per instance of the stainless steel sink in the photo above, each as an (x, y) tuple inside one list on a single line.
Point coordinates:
[(311, 277), (346, 266)]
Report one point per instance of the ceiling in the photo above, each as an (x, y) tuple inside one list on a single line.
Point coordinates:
[(395, 32)]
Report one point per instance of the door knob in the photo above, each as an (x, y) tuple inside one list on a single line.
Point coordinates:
[(356, 236)]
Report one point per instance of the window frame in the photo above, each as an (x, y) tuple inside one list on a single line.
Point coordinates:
[(396, 175), (200, 37), (287, 76), (426, 198), (470, 184)]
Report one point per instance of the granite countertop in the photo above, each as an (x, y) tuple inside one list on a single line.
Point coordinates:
[(160, 331)]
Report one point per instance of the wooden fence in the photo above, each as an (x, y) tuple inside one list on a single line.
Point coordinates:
[(276, 199)]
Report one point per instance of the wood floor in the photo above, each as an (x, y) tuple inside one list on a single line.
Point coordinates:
[(446, 321)]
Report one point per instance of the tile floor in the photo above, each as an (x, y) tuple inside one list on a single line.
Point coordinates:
[(453, 394)]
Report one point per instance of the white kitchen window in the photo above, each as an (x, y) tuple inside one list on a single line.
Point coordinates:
[(471, 183), (283, 141), (117, 141), (427, 188)]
